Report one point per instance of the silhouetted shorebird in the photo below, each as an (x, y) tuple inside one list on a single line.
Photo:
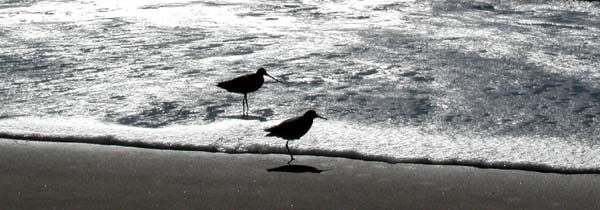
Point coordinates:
[(293, 128), (246, 84)]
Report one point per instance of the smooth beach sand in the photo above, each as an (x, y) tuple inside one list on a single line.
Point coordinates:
[(44, 175)]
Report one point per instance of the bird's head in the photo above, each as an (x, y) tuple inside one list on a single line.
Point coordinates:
[(263, 72), (312, 115)]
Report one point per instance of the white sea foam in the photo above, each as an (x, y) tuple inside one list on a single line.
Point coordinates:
[(327, 138)]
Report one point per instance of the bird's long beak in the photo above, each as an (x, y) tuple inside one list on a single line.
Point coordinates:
[(322, 117), (273, 78)]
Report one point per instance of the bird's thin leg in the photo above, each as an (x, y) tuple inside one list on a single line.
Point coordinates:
[(289, 152), (247, 107), (244, 106)]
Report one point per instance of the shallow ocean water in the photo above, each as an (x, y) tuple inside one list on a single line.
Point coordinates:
[(507, 84)]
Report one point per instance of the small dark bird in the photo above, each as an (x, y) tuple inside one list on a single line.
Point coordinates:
[(293, 128), (246, 84)]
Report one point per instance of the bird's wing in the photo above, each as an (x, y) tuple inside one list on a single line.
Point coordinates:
[(285, 124), (238, 81)]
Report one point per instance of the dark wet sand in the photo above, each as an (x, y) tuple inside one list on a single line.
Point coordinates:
[(42, 175)]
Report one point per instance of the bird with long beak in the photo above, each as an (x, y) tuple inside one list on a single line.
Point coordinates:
[(293, 128), (246, 84)]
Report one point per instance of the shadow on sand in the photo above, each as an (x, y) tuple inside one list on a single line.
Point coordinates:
[(295, 169)]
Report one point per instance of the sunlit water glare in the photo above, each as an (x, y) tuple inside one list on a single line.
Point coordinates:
[(493, 83)]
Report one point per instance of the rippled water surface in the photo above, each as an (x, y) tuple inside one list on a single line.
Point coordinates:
[(477, 82)]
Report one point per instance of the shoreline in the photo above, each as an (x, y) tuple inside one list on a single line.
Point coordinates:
[(110, 141), (45, 175)]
